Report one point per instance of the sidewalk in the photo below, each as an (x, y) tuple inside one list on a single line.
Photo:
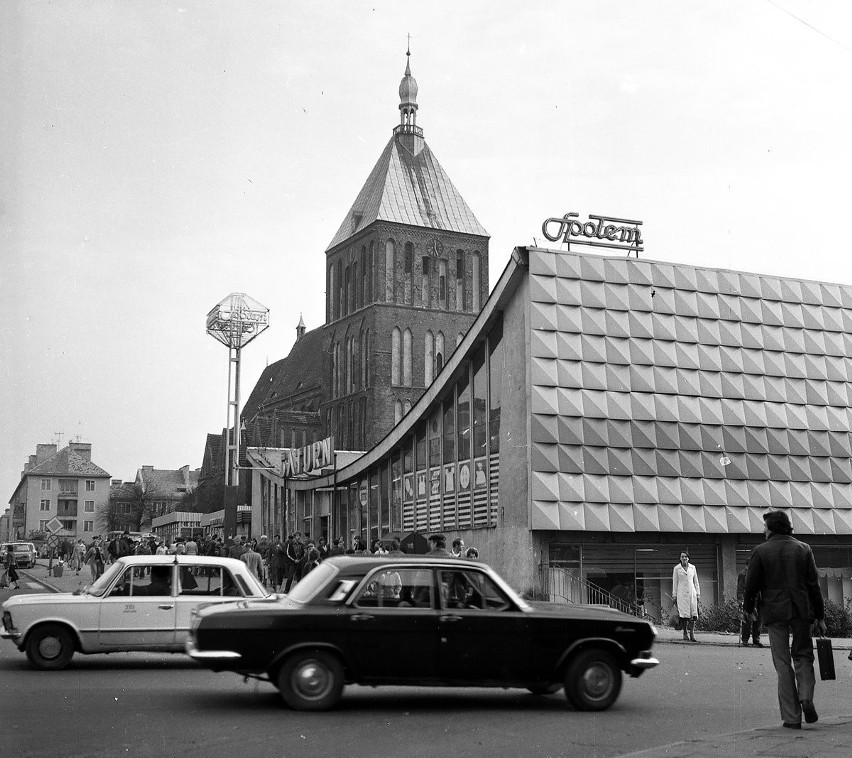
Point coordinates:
[(829, 737)]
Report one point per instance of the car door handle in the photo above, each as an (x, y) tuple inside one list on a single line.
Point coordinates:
[(451, 617), (362, 617), (165, 607)]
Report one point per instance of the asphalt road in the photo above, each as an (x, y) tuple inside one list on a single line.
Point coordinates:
[(164, 705)]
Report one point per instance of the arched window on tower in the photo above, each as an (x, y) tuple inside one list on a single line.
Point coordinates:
[(362, 286), (338, 296), (390, 255), (425, 299), (460, 300), (329, 299), (475, 283), (406, 358), (442, 284), (395, 357), (428, 358), (408, 272), (371, 271), (353, 299), (439, 352), (334, 359), (365, 339)]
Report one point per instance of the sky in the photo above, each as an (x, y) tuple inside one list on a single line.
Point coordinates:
[(157, 156)]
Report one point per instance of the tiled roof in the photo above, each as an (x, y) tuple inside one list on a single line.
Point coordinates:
[(67, 462), (299, 372), (408, 189), (673, 398), (168, 483)]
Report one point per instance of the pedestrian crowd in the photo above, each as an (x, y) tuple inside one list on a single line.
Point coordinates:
[(277, 564)]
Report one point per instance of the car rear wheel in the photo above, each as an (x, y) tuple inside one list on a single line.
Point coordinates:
[(593, 681), (311, 681), (50, 646)]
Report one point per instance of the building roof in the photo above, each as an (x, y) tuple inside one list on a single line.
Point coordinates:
[(301, 371), (67, 462), (168, 483), (408, 189)]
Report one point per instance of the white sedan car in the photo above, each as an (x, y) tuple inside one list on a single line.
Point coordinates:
[(141, 603)]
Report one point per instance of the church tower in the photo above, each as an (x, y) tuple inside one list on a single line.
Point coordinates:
[(406, 275)]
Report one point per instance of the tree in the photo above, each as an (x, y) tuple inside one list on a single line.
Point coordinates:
[(129, 505)]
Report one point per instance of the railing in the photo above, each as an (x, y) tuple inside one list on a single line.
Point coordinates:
[(560, 583)]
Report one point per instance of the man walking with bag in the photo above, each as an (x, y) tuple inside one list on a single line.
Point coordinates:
[(784, 572)]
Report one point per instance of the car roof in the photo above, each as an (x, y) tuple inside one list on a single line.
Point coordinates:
[(362, 563), (180, 558)]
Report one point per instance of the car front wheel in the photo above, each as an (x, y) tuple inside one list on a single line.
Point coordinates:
[(593, 681), (50, 646), (311, 681)]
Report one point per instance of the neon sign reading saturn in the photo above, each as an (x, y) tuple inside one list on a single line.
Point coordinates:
[(599, 231)]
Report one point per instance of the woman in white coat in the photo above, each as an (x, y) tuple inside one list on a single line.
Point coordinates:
[(686, 592)]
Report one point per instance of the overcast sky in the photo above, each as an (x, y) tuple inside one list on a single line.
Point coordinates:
[(157, 156)]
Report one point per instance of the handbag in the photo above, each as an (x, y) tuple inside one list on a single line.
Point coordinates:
[(826, 658), (4, 579)]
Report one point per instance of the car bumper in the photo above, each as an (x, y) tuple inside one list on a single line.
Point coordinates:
[(210, 656), (642, 663)]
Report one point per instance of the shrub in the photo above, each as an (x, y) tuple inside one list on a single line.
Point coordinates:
[(837, 619), (722, 617)]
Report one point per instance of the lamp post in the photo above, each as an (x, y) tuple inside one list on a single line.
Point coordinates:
[(235, 322)]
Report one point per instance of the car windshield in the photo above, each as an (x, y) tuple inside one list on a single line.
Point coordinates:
[(308, 587), (99, 586)]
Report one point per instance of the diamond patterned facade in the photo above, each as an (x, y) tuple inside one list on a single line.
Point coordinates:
[(667, 398)]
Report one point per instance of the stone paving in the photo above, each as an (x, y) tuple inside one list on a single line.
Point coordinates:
[(829, 738)]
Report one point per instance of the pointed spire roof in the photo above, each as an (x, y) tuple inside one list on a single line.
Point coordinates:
[(407, 185)]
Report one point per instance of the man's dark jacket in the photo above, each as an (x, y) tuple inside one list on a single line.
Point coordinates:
[(784, 572)]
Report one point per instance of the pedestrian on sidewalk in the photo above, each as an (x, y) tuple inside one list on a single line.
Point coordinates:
[(750, 627), (686, 592), (782, 569), (95, 558), (11, 566)]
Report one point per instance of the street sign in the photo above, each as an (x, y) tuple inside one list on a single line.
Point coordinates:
[(52, 541), (54, 525)]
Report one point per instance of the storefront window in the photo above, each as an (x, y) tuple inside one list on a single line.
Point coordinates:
[(435, 439), (464, 419), (449, 431), (480, 388), (495, 376)]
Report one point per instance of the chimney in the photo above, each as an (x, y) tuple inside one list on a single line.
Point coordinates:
[(83, 449), (43, 452), (300, 328)]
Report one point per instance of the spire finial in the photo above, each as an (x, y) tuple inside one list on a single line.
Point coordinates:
[(408, 49)]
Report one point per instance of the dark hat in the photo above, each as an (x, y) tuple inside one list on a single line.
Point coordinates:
[(437, 538), (778, 522)]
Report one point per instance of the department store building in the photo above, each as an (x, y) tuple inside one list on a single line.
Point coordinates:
[(602, 414)]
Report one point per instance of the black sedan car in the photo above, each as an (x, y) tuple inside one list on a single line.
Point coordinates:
[(419, 621)]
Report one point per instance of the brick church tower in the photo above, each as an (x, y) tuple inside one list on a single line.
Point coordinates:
[(406, 276)]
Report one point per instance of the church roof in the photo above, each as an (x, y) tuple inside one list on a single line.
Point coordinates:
[(300, 371), (409, 189)]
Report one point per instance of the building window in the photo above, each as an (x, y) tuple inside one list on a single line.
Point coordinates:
[(88, 526), (409, 255), (68, 524), (424, 285), (395, 356), (89, 506), (439, 353), (45, 484), (442, 284), (460, 302), (330, 298), (44, 505), (42, 525), (406, 358), (90, 485), (390, 254), (428, 358), (474, 284)]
